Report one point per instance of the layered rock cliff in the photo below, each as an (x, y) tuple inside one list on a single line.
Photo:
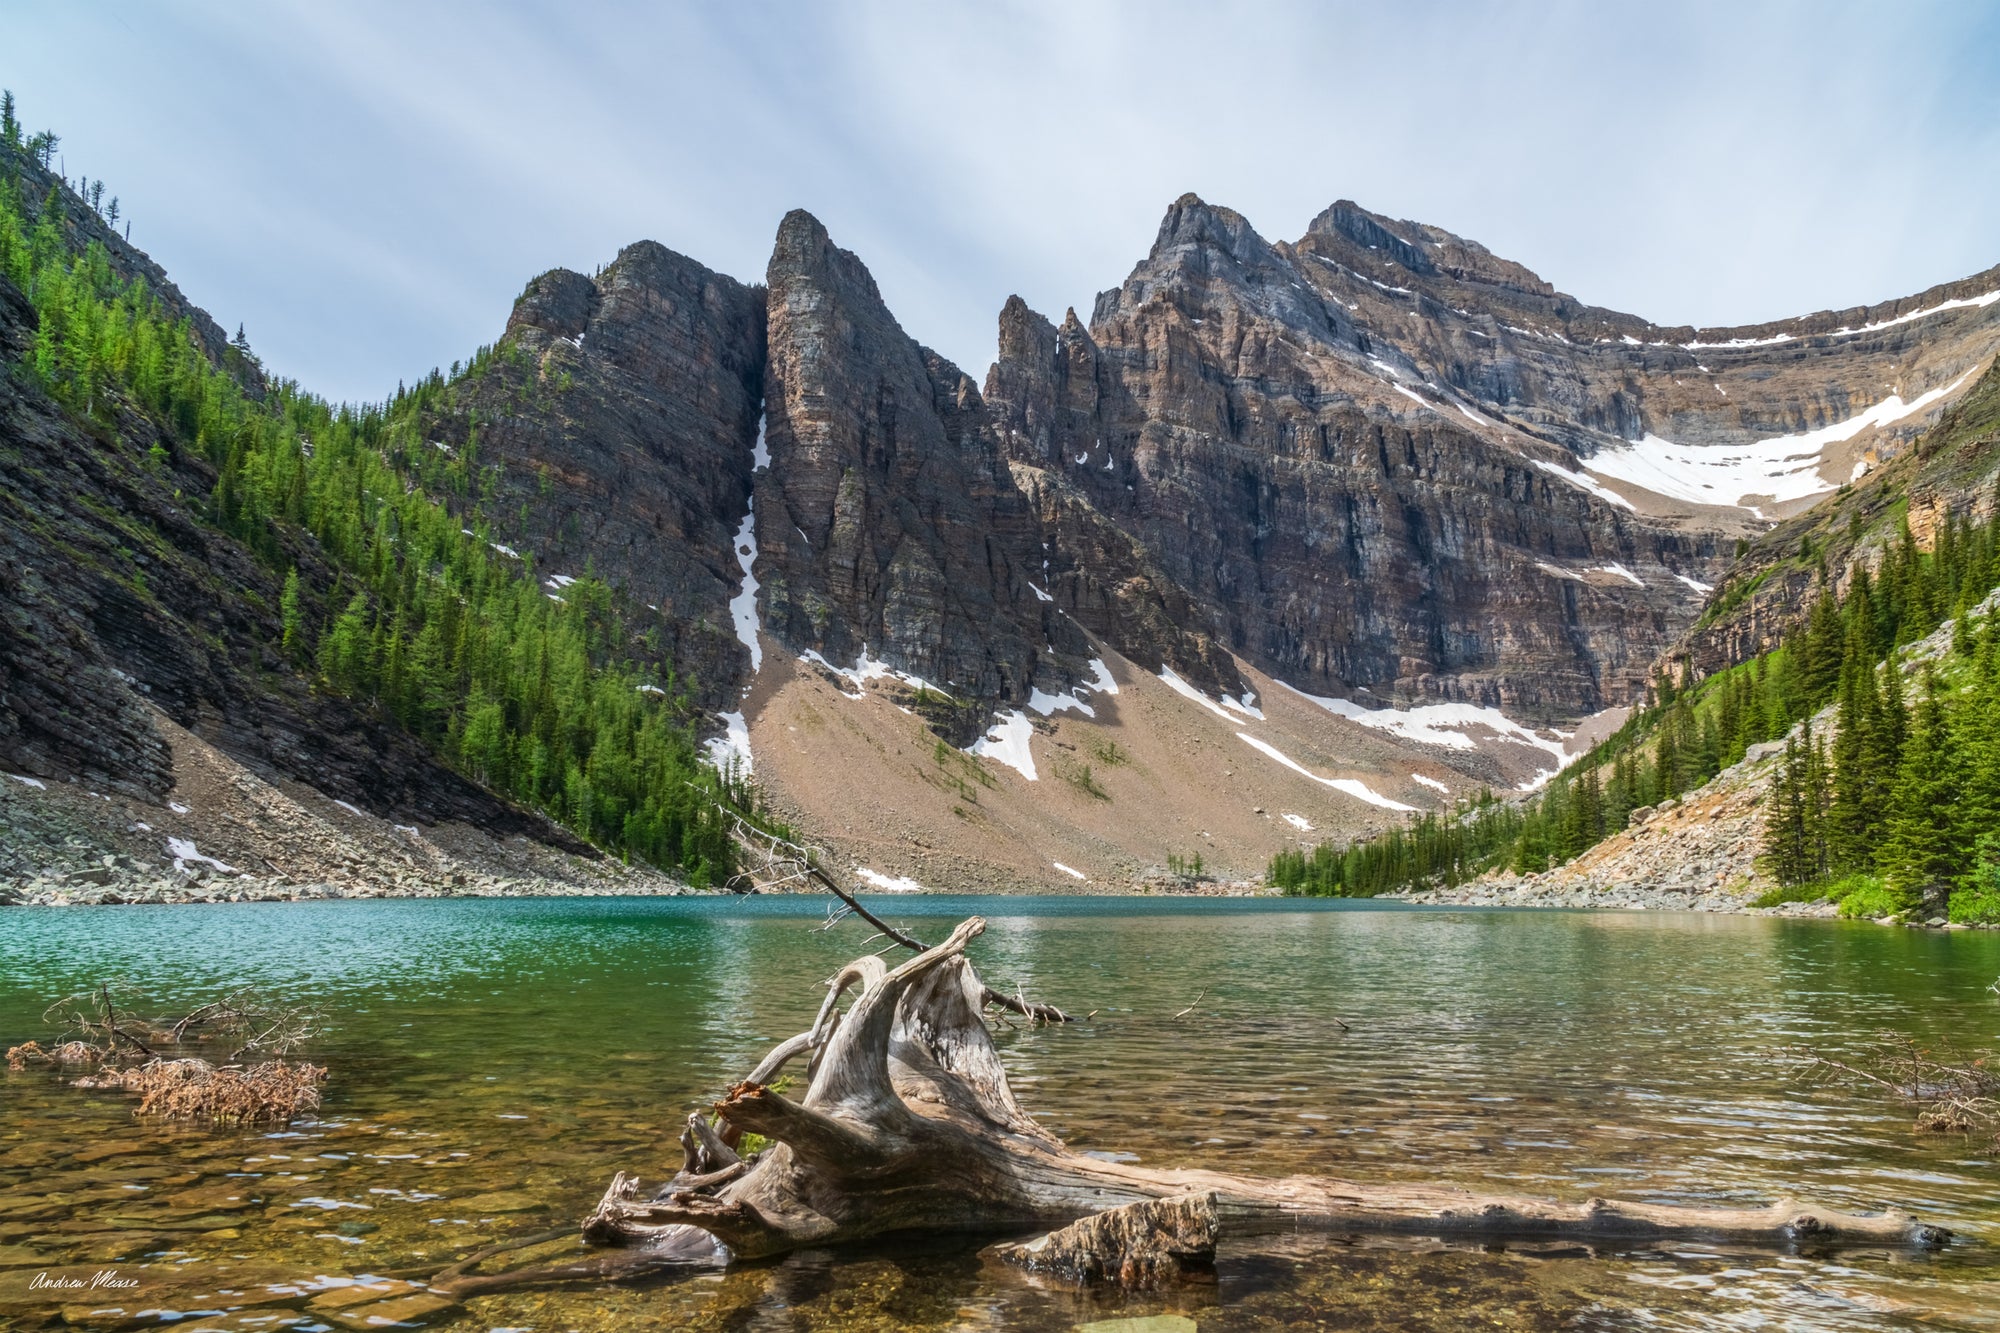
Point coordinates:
[(1378, 462), (1951, 474), (1330, 527), (615, 420)]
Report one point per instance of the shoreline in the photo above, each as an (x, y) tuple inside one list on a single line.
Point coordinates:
[(118, 890), (1642, 898)]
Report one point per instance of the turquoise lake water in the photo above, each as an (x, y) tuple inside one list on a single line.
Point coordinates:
[(494, 1061)]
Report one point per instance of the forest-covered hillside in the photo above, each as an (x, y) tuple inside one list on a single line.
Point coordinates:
[(348, 580)]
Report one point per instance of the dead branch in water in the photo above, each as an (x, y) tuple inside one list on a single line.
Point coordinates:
[(274, 1092), (251, 1084), (1954, 1092), (778, 862), (253, 1021)]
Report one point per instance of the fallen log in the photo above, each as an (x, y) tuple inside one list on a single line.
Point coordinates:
[(908, 1124)]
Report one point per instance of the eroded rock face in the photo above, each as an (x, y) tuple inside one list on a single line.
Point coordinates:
[(1953, 470), (889, 524), (1212, 414), (1456, 319), (1359, 457), (1354, 461), (621, 412)]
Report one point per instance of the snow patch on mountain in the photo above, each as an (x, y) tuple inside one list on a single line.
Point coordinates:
[(1359, 790), (1006, 742), (868, 668), (1187, 691), (1437, 724), (743, 606), (1782, 467), (888, 884), (732, 747), (1583, 481), (185, 854)]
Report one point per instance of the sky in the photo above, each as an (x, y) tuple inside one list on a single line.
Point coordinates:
[(365, 187)]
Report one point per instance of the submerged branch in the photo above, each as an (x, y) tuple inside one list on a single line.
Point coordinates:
[(1954, 1092)]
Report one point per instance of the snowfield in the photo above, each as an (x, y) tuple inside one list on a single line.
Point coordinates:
[(1778, 469), (1006, 742)]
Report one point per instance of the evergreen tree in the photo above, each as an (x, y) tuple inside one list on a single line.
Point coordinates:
[(1925, 847), (1853, 824), (1820, 647), (289, 615), (1795, 847)]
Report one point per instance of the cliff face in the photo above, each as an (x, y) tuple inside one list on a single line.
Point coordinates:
[(1598, 381), (616, 421), (1952, 470), (888, 526), (1383, 461), (1378, 464), (1339, 535)]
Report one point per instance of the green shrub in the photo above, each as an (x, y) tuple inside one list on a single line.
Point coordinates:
[(1977, 907), (1976, 899), (1794, 893), (1867, 896)]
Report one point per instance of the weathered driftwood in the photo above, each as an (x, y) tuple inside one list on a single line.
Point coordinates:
[(907, 1124), (1140, 1245)]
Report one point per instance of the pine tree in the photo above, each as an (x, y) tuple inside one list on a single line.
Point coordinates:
[(1795, 848), (289, 614), (1820, 647), (1854, 816), (1925, 847)]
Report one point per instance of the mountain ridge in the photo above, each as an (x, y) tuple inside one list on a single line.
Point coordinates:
[(1378, 469)]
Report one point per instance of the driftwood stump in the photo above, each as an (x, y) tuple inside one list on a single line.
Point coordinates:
[(1147, 1244), (907, 1124)]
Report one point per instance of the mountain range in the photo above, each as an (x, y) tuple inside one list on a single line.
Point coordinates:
[(1286, 540)]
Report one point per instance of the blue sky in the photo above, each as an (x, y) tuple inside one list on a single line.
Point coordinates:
[(367, 186)]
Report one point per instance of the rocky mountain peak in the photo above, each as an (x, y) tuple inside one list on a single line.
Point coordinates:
[(1367, 230), (1209, 261), (804, 258), (560, 303)]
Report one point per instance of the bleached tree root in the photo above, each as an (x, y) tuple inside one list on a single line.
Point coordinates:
[(908, 1124), (1147, 1244)]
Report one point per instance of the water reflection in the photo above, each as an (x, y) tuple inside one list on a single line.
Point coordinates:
[(495, 1061)]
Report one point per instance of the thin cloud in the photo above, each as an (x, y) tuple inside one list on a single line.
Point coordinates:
[(367, 186)]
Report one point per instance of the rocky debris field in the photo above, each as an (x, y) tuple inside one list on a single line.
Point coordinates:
[(1508, 890), (1696, 854), (225, 834)]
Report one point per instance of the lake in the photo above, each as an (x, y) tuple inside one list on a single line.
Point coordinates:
[(494, 1061)]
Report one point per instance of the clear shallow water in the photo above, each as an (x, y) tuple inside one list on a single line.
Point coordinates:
[(495, 1060)]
